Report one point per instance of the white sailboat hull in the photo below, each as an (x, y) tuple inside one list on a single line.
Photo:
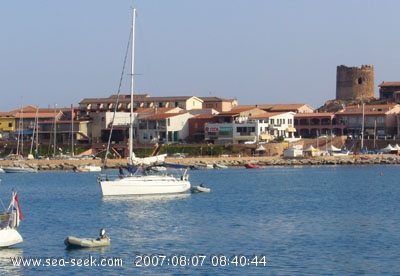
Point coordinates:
[(144, 185), (9, 237)]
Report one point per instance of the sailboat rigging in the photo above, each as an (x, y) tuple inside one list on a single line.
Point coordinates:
[(35, 136), (140, 180)]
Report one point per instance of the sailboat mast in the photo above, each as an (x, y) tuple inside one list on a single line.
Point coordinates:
[(34, 132), (132, 80), (72, 130), (55, 130), (362, 126), (37, 131)]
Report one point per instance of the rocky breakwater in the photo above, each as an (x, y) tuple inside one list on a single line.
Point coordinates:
[(66, 164), (375, 159), (61, 164)]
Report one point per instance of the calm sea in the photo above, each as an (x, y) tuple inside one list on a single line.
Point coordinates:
[(342, 220)]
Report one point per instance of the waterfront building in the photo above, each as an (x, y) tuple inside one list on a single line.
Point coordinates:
[(248, 125), (377, 120), (312, 125)]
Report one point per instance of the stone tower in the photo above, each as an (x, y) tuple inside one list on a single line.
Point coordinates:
[(355, 83)]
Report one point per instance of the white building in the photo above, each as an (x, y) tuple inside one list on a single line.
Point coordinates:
[(277, 124), (163, 127), (258, 128)]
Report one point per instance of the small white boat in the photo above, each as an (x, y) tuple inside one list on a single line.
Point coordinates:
[(199, 189), (201, 166), (74, 242), (1, 170), (87, 168), (219, 166), (19, 170)]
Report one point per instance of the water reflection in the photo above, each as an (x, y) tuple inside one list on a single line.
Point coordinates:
[(146, 217), (146, 198), (6, 264), (71, 252)]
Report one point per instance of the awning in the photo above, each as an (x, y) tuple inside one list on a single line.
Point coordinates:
[(266, 137), (245, 137), (291, 129), (24, 132)]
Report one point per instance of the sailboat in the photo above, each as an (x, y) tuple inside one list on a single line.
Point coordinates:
[(139, 180), (10, 220)]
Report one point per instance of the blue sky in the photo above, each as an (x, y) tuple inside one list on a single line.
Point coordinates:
[(258, 51)]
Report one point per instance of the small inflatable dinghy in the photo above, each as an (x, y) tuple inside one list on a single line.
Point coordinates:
[(199, 189), (74, 242)]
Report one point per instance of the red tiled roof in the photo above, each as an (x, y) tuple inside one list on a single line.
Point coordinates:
[(314, 115), (389, 83), (6, 114), (160, 116), (33, 115), (203, 116), (266, 115), (149, 110)]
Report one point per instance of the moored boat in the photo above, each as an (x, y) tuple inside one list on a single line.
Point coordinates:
[(9, 237), (19, 170), (10, 220), (251, 166), (219, 166), (86, 168), (74, 242), (138, 181), (201, 166), (200, 189)]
